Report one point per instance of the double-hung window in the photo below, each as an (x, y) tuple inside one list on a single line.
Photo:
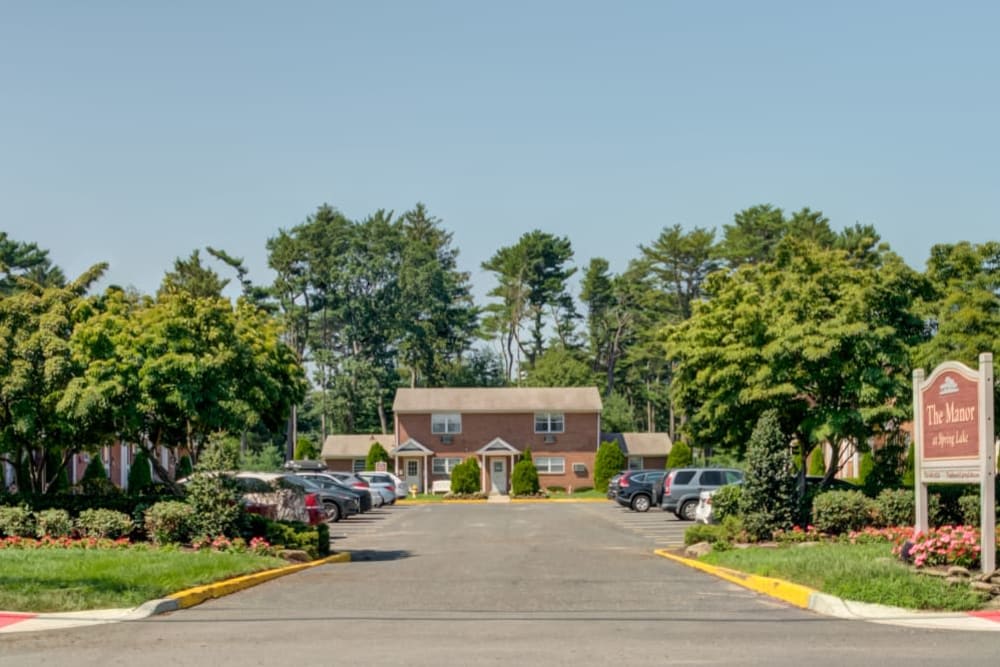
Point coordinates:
[(443, 466), (549, 422), (550, 465), (446, 423)]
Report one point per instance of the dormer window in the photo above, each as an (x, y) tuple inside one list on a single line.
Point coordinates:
[(446, 423), (549, 422)]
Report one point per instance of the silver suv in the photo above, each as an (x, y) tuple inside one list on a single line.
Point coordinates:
[(683, 485)]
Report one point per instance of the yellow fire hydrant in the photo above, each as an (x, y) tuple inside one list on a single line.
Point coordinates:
[(413, 490)]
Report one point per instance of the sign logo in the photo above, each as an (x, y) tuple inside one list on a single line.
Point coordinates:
[(949, 386)]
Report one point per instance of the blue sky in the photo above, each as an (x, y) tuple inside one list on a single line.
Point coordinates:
[(134, 134)]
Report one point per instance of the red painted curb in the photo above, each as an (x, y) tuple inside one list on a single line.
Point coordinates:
[(987, 615), (10, 619)]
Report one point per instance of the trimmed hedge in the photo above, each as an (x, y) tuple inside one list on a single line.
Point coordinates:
[(54, 523), (104, 523), (314, 540), (837, 512), (17, 522), (169, 522), (895, 507)]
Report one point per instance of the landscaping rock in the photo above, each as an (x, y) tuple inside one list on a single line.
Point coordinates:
[(956, 581), (698, 550), (982, 586), (294, 555), (956, 571), (931, 572)]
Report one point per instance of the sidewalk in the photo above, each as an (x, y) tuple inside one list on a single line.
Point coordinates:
[(27, 622), (829, 605)]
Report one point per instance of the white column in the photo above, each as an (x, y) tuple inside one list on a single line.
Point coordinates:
[(918, 439), (987, 510), (124, 465)]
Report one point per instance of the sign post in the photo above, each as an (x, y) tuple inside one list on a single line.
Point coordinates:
[(953, 436)]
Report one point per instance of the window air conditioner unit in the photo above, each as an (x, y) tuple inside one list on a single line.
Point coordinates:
[(549, 438), (446, 439), (580, 468)]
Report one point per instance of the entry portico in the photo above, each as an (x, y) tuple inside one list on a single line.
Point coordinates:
[(411, 463), (495, 455)]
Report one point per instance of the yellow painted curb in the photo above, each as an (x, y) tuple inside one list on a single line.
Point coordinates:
[(198, 594), (794, 594)]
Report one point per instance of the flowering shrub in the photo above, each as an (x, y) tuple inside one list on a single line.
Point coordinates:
[(104, 523), (947, 545), (895, 535), (798, 534), (17, 522), (261, 547), (49, 542)]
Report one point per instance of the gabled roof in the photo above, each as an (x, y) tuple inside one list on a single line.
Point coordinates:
[(411, 446), (641, 444), (498, 445), (497, 400), (344, 446)]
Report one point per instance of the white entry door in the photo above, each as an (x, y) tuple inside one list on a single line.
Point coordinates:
[(498, 476), (411, 474)]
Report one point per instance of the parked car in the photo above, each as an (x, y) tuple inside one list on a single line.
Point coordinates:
[(400, 488), (352, 480), (613, 484), (382, 482), (682, 487), (270, 495), (337, 503), (639, 489), (328, 481)]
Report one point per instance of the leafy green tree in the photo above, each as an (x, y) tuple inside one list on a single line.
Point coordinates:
[(36, 367), (617, 415), (817, 465), (753, 236), (558, 367), (865, 467), (963, 310), (306, 449), (524, 477), (680, 455), (376, 454), (608, 462), (768, 500), (479, 368), (267, 458), (817, 334)]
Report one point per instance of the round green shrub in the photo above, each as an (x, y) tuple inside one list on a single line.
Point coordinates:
[(726, 501), (104, 523), (894, 507), (837, 512), (54, 523), (466, 477), (16, 522), (680, 455), (169, 522)]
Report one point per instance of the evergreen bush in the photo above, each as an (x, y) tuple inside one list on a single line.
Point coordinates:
[(184, 467), (306, 449), (169, 522), (524, 478), (104, 523), (54, 523), (768, 501), (140, 476), (466, 477), (214, 495), (680, 455), (837, 512), (376, 454), (607, 463), (95, 479), (817, 464)]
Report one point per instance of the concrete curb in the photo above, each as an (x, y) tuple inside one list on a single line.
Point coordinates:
[(197, 595), (830, 605)]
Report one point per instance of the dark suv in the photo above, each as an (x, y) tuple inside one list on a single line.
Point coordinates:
[(683, 485), (640, 489)]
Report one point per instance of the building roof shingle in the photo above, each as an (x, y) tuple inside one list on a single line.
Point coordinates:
[(498, 400)]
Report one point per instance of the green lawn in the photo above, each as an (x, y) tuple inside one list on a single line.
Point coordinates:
[(592, 493), (54, 580), (860, 572)]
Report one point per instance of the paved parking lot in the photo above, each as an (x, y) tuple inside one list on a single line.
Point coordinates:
[(661, 529)]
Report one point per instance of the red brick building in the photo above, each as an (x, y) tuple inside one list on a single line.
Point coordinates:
[(435, 429)]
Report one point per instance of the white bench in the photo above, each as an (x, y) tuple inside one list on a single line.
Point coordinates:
[(441, 486)]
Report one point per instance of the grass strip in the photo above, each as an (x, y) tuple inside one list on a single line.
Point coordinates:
[(859, 572), (57, 580)]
